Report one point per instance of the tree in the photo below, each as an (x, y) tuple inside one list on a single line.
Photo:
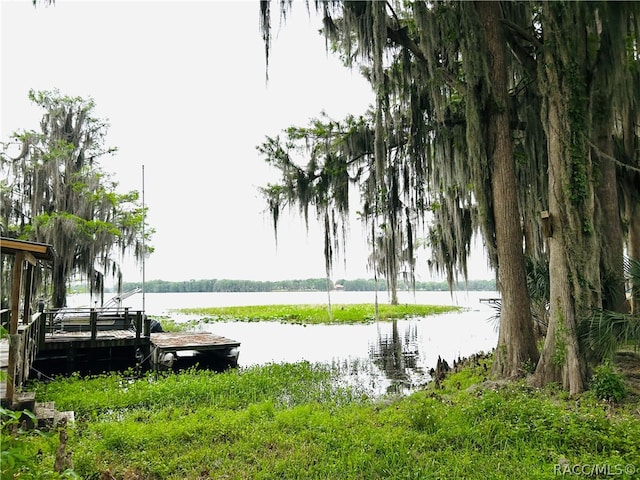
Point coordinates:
[(320, 164), (316, 172), (56, 192), (488, 113), (570, 204), (516, 343), (606, 99), (580, 38), (439, 126)]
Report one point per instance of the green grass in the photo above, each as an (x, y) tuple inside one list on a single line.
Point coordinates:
[(315, 314), (291, 421)]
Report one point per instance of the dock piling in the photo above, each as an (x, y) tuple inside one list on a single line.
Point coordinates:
[(93, 320)]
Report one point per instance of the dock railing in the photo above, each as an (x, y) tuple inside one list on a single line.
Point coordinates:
[(23, 346), (23, 349), (28, 349), (96, 320)]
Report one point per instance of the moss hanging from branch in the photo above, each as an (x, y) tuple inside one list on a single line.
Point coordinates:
[(58, 194)]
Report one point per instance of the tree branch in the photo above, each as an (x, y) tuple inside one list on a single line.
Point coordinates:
[(402, 38), (617, 162), (514, 27)]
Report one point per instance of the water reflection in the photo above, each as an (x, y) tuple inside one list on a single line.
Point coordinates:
[(397, 356), (378, 357), (382, 357)]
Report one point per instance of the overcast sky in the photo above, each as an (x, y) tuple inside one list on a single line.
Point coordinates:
[(183, 87)]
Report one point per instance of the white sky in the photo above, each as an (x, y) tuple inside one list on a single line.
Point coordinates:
[(183, 87)]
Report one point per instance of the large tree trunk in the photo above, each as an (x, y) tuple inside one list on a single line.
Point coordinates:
[(59, 274), (59, 287), (560, 360), (612, 245), (609, 220), (574, 273), (632, 199), (516, 343)]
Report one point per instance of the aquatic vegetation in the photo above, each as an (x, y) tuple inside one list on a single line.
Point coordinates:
[(315, 314)]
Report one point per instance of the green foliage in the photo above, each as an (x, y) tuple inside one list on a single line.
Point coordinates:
[(464, 378), (23, 451), (606, 384), (578, 183), (109, 396), (170, 325), (604, 332), (292, 421), (314, 314), (560, 341)]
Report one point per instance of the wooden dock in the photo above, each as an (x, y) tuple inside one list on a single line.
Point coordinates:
[(86, 341), (203, 346), (181, 341), (93, 349)]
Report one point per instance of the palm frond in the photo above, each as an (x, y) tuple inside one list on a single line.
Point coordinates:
[(605, 332)]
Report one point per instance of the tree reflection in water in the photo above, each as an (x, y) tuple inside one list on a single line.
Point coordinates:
[(398, 357)]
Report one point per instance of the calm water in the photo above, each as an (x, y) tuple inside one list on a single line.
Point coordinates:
[(379, 357)]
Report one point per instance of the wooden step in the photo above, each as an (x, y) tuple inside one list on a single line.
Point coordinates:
[(49, 418), (24, 401)]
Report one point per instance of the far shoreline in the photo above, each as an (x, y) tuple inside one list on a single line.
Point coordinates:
[(296, 285)]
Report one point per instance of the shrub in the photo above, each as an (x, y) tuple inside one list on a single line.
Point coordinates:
[(606, 384)]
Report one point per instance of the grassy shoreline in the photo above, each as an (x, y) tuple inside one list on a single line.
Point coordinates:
[(298, 421), (293, 421)]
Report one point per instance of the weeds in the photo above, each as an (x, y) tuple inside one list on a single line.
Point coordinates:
[(606, 384), (19, 457), (315, 314), (292, 421)]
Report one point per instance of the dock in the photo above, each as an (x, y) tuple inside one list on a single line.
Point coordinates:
[(201, 347), (46, 349), (87, 341)]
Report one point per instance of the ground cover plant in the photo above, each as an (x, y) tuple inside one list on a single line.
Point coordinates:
[(315, 314), (295, 421)]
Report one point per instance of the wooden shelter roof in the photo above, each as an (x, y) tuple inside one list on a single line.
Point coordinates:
[(41, 251)]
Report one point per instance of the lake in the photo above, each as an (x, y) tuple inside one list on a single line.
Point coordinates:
[(378, 357)]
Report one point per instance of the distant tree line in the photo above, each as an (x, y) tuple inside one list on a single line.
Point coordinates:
[(370, 285), (307, 285)]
